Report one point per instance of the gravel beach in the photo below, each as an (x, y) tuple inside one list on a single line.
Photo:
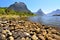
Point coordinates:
[(16, 29)]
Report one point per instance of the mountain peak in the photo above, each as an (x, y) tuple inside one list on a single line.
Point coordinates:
[(20, 3), (19, 6), (40, 12), (56, 12)]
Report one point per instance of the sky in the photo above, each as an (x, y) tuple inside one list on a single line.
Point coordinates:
[(47, 6)]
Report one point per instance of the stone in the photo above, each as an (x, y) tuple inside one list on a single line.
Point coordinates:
[(22, 38), (56, 36), (8, 32), (1, 25), (4, 31), (43, 32), (27, 38), (3, 37), (4, 22), (26, 33), (26, 30), (34, 37), (41, 37), (49, 38), (11, 38), (54, 31), (58, 33), (37, 30), (11, 28), (48, 31), (31, 33)]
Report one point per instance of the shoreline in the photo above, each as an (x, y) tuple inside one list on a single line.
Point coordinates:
[(20, 29)]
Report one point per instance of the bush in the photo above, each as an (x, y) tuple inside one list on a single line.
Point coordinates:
[(5, 11)]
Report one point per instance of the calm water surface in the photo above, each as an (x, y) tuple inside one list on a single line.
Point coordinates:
[(47, 20)]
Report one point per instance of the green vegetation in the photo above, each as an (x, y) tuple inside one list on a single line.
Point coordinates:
[(5, 11), (2, 11)]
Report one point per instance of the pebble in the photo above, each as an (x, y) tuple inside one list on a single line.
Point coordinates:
[(26, 30), (22, 38), (11, 38), (41, 37), (49, 38), (27, 38), (56, 36), (34, 37)]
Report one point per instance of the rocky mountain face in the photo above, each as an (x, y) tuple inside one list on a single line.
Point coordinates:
[(40, 12), (19, 7), (54, 13)]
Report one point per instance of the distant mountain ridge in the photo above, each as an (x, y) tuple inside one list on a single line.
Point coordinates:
[(40, 12), (54, 13), (19, 7)]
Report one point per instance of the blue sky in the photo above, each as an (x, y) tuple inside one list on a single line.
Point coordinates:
[(33, 5)]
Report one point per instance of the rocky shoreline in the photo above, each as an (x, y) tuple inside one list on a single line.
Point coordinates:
[(26, 30)]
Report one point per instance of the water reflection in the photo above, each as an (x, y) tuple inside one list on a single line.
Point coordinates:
[(47, 20)]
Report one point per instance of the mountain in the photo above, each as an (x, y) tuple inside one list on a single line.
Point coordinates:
[(40, 12), (54, 13), (19, 7)]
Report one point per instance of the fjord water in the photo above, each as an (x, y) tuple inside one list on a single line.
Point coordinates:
[(47, 20)]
